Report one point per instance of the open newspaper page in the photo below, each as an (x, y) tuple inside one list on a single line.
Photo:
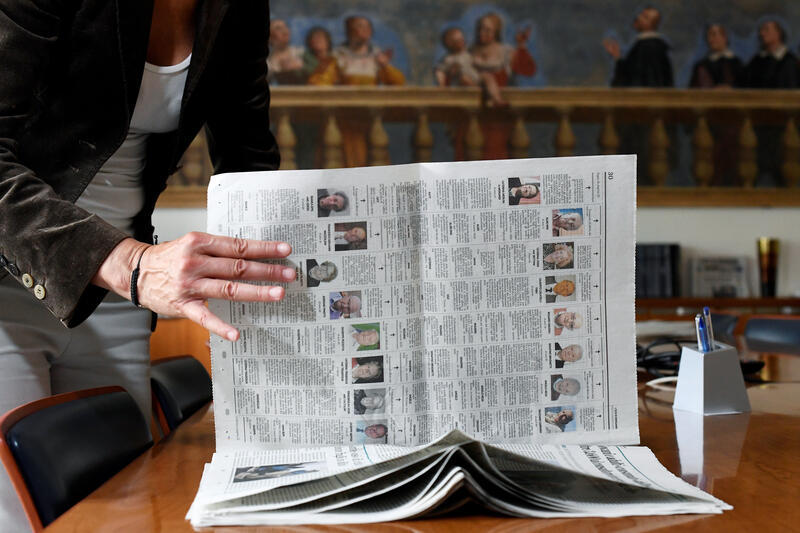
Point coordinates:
[(495, 298), (436, 304), (372, 483)]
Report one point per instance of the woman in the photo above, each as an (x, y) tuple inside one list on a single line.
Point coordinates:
[(369, 401), (561, 257), (367, 369), (83, 117), (522, 193)]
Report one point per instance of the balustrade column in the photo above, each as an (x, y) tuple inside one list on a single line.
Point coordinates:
[(332, 144), (520, 140), (791, 154), (565, 138), (473, 141), (195, 165), (378, 142), (748, 143), (703, 143), (658, 165), (423, 139), (609, 139), (287, 142)]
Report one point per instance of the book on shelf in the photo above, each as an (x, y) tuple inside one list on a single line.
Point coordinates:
[(658, 270), (445, 344), (720, 277)]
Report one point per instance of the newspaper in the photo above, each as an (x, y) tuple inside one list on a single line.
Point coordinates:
[(442, 313), (381, 482)]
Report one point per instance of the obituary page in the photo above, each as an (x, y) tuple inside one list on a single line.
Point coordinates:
[(490, 297)]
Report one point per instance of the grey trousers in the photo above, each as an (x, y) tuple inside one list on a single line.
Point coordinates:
[(40, 357)]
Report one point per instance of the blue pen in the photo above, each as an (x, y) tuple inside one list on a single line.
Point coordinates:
[(709, 328), (702, 332)]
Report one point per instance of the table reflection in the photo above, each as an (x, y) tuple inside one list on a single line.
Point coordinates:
[(709, 447)]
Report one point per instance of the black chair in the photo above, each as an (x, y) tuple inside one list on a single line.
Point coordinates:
[(725, 327), (181, 386), (773, 334), (59, 449)]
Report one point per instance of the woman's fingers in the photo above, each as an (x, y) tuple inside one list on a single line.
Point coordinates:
[(199, 313), (221, 246), (177, 278), (241, 292), (221, 268)]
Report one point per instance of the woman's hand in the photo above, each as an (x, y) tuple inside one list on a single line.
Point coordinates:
[(176, 278)]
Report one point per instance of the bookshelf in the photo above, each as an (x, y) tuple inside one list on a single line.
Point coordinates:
[(684, 308)]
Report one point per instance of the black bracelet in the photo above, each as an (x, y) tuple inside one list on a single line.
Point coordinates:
[(135, 279)]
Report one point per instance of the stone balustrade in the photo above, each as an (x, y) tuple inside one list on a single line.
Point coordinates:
[(722, 127)]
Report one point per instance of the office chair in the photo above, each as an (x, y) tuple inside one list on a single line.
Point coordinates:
[(773, 333), (181, 386), (725, 327), (59, 449)]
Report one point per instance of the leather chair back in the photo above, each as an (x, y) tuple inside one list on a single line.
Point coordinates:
[(773, 334), (59, 449), (181, 386)]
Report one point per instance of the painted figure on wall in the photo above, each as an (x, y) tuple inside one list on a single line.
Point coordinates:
[(774, 66), (455, 68), (720, 67), (496, 62), (647, 64), (285, 62), (360, 62), (319, 64)]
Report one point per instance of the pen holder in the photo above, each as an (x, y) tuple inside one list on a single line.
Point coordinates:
[(711, 383)]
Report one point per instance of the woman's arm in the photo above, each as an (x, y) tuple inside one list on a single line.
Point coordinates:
[(177, 277), (239, 137), (73, 255), (42, 235)]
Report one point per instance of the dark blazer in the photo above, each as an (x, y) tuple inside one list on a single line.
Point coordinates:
[(766, 72), (647, 64), (558, 362), (71, 73), (712, 73), (311, 282)]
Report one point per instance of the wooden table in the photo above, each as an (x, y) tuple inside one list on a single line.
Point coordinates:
[(751, 461)]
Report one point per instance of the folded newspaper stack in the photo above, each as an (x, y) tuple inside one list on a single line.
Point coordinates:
[(326, 485), (491, 299)]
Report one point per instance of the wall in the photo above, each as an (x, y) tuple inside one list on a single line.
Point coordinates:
[(723, 231), (728, 232), (565, 42), (565, 37)]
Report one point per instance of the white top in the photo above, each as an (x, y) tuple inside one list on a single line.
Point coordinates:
[(116, 193)]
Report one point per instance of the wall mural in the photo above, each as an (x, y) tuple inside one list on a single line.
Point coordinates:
[(531, 43)]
